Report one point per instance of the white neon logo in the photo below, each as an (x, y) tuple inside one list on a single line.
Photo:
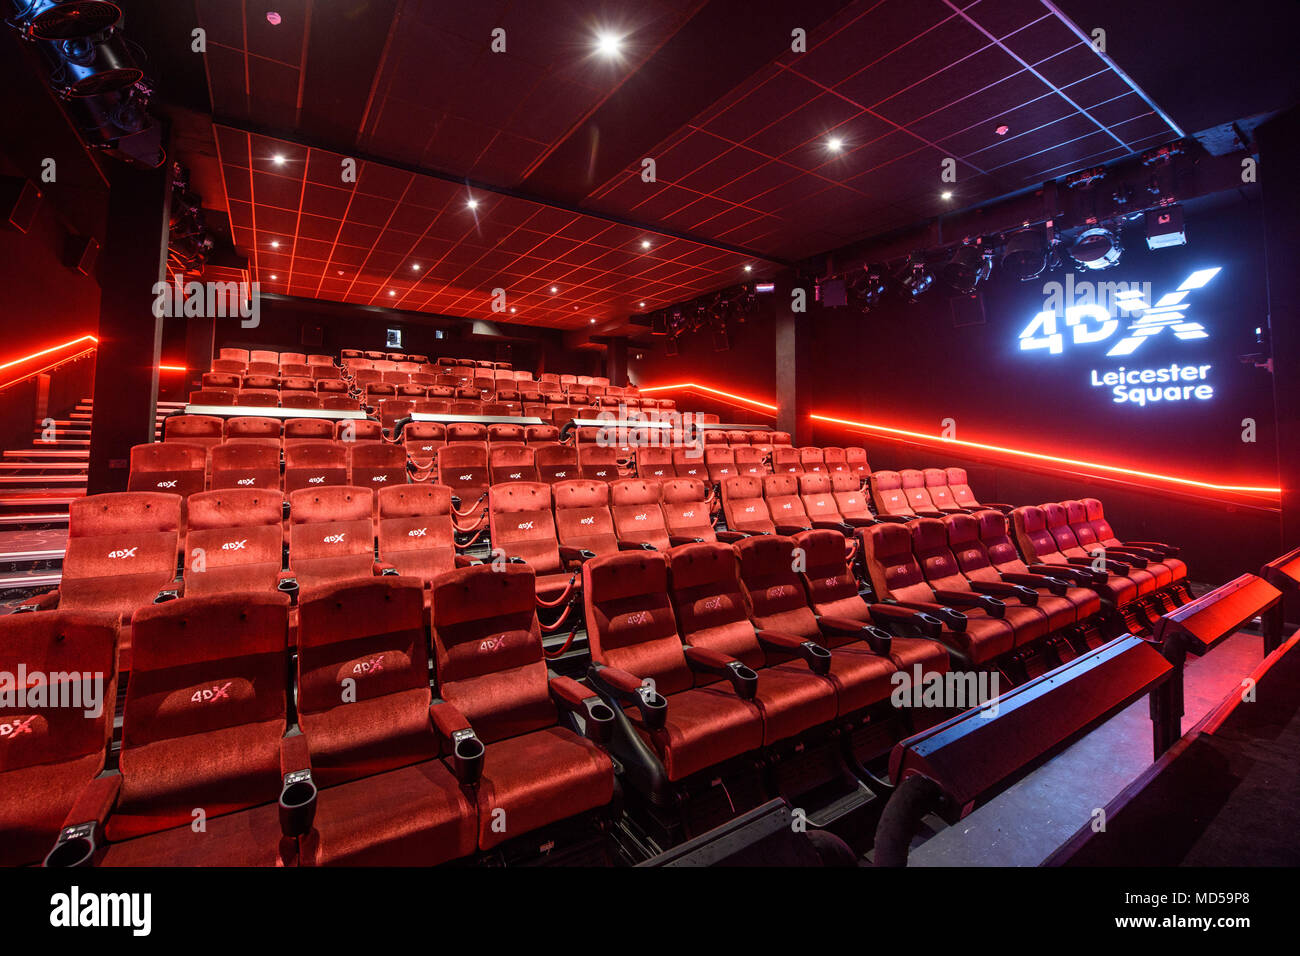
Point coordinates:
[(1092, 322)]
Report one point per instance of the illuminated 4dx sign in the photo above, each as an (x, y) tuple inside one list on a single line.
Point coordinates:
[(1093, 322)]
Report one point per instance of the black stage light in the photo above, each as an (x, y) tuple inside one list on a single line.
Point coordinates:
[(91, 66), (65, 19), (914, 279), (966, 268), (1024, 254), (1096, 248)]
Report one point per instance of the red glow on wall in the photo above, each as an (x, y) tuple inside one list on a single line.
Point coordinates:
[(70, 350), (1005, 451)]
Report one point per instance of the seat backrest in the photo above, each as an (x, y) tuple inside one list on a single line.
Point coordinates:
[(958, 484), (263, 355), (830, 586), (689, 463), (856, 459), (972, 556), (175, 467), (512, 463), (487, 650), (849, 496), (582, 517), (258, 397), (205, 710), (936, 486), (463, 467), (709, 603), (686, 511), (363, 674), (213, 396), (1076, 516), (655, 461), (786, 460), (556, 462), (308, 429), (720, 461), (505, 433), (598, 462), (522, 525), (252, 426), (913, 481), (220, 380), (1033, 539), (774, 595), (812, 458), (938, 563), (750, 460), (630, 621), (313, 464), (118, 533), (781, 492), (995, 535), (422, 441), (467, 432), (1097, 518), (636, 512), (743, 505), (416, 534), (815, 491), (377, 464), (1058, 526), (890, 564), (331, 533), (193, 429), (888, 494), (246, 463), (238, 355), (541, 433), (233, 528), (358, 430)]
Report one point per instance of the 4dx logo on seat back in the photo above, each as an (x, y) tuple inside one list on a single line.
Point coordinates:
[(334, 538), (16, 727), (212, 693), (1094, 322), (123, 553)]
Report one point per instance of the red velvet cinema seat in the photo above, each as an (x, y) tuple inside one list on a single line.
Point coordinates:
[(377, 465), (1064, 605), (743, 506), (49, 754), (1134, 568), (170, 467), (523, 529), (792, 692), (1166, 554), (832, 592), (246, 463), (1164, 569), (678, 729), (492, 680), (314, 464), (582, 518), (121, 552), (331, 535), (364, 709), (234, 541), (775, 601), (687, 514), (896, 578), (638, 519), (203, 740)]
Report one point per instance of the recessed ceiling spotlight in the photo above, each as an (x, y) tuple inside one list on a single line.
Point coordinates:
[(554, 289), (273, 18), (275, 244), (593, 321), (277, 159), (946, 194), (274, 277), (513, 309), (608, 45), (473, 204), (340, 272), (749, 268), (392, 292), (835, 144), (1002, 130), (415, 267), (645, 243), (640, 305)]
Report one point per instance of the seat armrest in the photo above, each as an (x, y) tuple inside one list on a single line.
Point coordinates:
[(384, 569), (1055, 585), (730, 537), (636, 546), (1113, 567), (79, 836), (1137, 558), (817, 657), (1006, 509), (952, 619), (843, 527), (43, 602), (880, 641), (1006, 589), (894, 618), (466, 749), (894, 519), (703, 660), (990, 605), (464, 561), (676, 539), (791, 529), (628, 689), (1167, 550), (858, 522), (597, 716), (574, 557), (297, 788), (1076, 576), (170, 593)]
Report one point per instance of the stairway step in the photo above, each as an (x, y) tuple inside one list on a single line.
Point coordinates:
[(41, 465), (44, 579), (67, 453), (32, 518), (33, 482), (49, 554), (63, 443)]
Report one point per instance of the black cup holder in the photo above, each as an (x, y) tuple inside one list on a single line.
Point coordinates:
[(288, 586), (654, 708), (600, 721), (600, 713), (77, 851), (467, 755), (297, 803)]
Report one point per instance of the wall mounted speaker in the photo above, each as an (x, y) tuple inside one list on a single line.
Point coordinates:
[(81, 253), (313, 335)]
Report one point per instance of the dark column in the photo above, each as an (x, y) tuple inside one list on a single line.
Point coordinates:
[(130, 336), (200, 348), (1279, 158), (793, 332), (616, 357)]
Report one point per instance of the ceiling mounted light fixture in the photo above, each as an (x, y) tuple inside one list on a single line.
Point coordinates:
[(1024, 254), (66, 19), (1096, 248)]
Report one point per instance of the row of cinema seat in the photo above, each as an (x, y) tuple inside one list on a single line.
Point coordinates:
[(338, 755)]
